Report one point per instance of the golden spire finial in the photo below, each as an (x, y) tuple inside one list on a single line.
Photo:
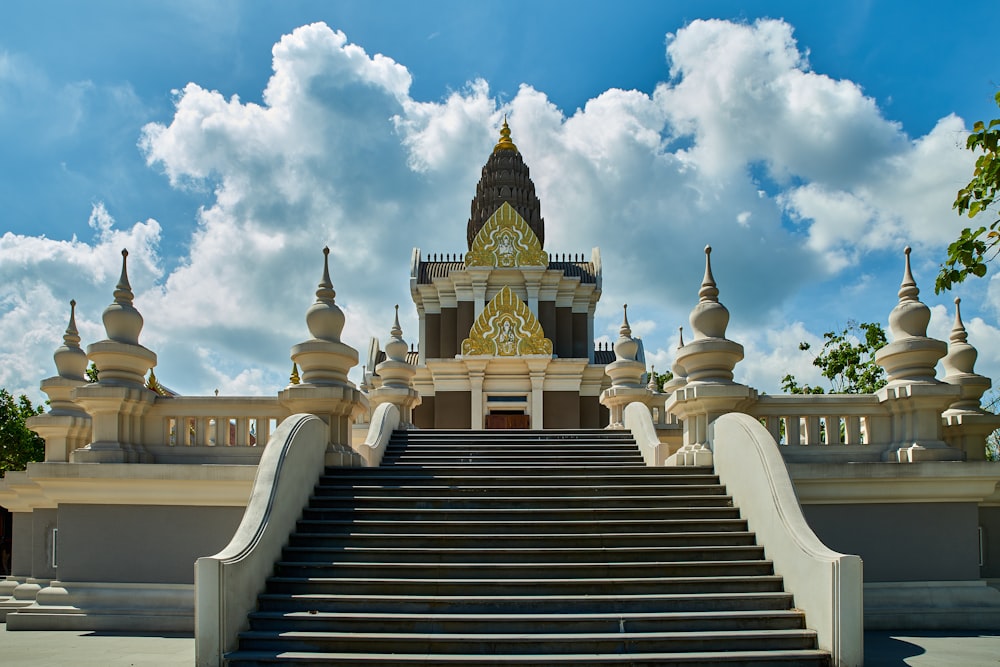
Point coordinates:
[(505, 144)]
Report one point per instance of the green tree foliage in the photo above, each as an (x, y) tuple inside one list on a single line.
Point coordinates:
[(847, 360), (968, 255), (18, 444), (661, 379), (991, 403)]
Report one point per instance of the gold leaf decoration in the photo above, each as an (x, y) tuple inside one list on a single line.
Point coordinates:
[(506, 241), (506, 328)]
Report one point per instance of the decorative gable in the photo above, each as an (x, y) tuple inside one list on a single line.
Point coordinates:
[(506, 328), (506, 241)]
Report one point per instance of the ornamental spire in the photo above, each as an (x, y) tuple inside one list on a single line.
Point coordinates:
[(324, 318), (122, 321), (396, 348), (709, 318), (505, 178), (505, 144), (71, 361), (626, 347), (910, 317)]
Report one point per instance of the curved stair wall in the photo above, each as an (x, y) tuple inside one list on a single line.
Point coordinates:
[(384, 421), (227, 584), (827, 585)]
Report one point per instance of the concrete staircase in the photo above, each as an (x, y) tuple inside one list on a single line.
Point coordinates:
[(523, 548)]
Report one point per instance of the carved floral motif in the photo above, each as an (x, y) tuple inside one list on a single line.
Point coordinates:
[(506, 240), (506, 328)]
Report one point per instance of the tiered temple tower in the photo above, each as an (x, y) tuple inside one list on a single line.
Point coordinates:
[(507, 329)]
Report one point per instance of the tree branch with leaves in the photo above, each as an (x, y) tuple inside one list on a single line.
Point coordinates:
[(847, 360), (19, 445), (968, 255)]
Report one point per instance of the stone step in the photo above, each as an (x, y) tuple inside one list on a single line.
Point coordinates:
[(530, 514), (516, 540), (614, 603), (488, 586), (555, 643), (536, 527), (415, 493), (540, 465), (398, 477), (505, 501), (580, 446), (515, 454), (555, 475), (313, 620), (504, 554), (784, 658), (537, 571), (595, 450), (584, 442), (524, 434)]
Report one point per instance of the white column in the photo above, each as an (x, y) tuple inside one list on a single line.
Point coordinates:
[(536, 369), (477, 371)]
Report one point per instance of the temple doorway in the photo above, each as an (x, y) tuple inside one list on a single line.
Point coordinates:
[(508, 419), (506, 411)]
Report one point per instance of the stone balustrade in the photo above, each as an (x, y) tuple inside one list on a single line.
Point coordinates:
[(826, 427), (196, 421)]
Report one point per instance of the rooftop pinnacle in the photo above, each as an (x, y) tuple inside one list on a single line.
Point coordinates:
[(505, 144)]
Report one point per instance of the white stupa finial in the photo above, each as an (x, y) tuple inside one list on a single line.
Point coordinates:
[(71, 361), (709, 291), (961, 357), (910, 317), (625, 347), (122, 321), (396, 348), (123, 290), (958, 332), (324, 318), (709, 318)]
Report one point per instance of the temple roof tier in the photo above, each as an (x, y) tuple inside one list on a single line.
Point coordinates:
[(505, 178)]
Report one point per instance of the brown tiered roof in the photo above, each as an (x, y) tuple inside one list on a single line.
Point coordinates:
[(505, 179)]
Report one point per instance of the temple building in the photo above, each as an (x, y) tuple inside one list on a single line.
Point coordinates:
[(331, 508), (507, 329)]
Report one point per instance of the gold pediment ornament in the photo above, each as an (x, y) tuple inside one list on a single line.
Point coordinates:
[(506, 241), (506, 328)]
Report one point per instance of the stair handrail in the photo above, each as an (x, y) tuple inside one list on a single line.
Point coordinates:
[(638, 419), (385, 420), (827, 585), (228, 583)]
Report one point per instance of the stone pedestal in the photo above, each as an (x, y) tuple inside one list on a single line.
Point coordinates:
[(337, 406), (616, 399), (66, 427), (403, 398), (915, 411), (116, 412), (967, 432), (324, 360), (914, 397), (396, 376), (626, 377), (697, 406)]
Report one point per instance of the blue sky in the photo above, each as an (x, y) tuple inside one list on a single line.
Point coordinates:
[(806, 143)]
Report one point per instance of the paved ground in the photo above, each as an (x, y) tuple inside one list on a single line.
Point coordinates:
[(92, 649)]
